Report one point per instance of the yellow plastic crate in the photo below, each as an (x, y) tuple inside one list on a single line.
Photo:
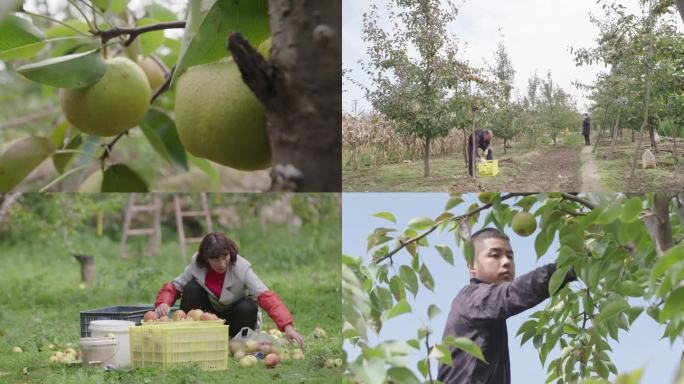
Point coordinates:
[(488, 168), (180, 343)]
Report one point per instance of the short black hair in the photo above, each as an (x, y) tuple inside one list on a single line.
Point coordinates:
[(486, 233), (214, 246)]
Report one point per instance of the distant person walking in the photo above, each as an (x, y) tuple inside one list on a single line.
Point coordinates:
[(586, 124), (483, 139)]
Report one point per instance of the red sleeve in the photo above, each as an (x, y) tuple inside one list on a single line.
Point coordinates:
[(168, 294), (276, 309)]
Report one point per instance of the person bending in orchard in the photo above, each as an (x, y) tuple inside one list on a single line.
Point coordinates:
[(479, 311), (220, 281), (482, 140)]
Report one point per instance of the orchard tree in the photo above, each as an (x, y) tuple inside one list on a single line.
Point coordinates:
[(643, 87), (412, 91), (501, 119), (621, 246), (252, 85)]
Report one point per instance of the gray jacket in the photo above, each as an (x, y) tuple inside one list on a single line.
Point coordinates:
[(479, 312), (240, 281)]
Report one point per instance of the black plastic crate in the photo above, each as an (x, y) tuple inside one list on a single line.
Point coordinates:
[(130, 313)]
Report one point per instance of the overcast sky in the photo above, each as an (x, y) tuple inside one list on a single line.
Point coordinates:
[(537, 34), (640, 347)]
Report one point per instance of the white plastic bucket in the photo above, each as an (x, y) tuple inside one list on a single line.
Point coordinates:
[(99, 328), (99, 351)]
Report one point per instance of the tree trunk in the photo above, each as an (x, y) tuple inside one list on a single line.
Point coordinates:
[(651, 135), (658, 223), (680, 7), (87, 268), (505, 140), (426, 157), (465, 147), (301, 90), (614, 130), (647, 101)]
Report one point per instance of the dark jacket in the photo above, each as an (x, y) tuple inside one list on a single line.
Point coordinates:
[(480, 141), (479, 312), (585, 126)]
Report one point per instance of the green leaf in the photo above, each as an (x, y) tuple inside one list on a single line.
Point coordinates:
[(543, 241), (446, 253), (674, 305), (62, 160), (629, 231), (557, 278), (402, 375), (466, 345), (21, 158), (609, 214), (433, 311), (426, 277), (373, 371), (415, 344), (206, 167), (409, 278), (160, 13), (386, 215), (16, 32), (526, 326), (452, 202), (63, 31), (208, 25), (420, 223), (150, 41), (442, 354), (24, 52), (397, 288), (118, 6), (385, 296), (631, 209), (423, 367), (121, 178), (401, 307), (160, 131), (612, 309), (667, 260), (70, 72), (468, 252)]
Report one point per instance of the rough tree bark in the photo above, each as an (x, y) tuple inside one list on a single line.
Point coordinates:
[(301, 89)]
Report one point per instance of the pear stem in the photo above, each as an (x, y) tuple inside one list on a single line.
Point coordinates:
[(134, 32)]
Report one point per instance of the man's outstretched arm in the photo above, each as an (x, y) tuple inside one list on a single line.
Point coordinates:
[(501, 301)]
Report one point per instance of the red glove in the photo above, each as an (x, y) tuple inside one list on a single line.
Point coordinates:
[(167, 295), (276, 309)]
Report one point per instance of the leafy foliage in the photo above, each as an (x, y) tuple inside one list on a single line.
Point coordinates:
[(609, 241)]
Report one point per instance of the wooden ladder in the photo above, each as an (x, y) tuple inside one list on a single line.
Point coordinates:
[(180, 214), (154, 232)]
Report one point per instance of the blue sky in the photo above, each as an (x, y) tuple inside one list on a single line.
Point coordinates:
[(640, 347)]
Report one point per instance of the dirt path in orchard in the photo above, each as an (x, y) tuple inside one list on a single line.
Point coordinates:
[(550, 169), (591, 181)]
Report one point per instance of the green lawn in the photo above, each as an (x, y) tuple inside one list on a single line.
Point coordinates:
[(41, 300)]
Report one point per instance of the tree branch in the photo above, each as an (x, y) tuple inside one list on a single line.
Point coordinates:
[(403, 244), (427, 345), (569, 196), (132, 33)]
